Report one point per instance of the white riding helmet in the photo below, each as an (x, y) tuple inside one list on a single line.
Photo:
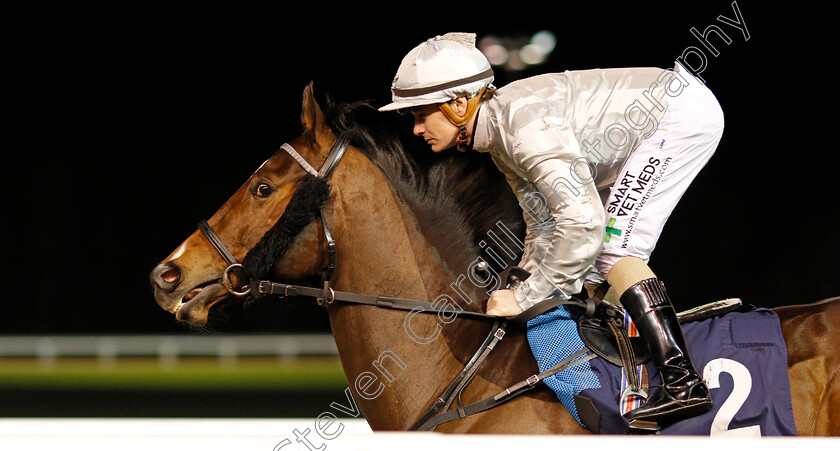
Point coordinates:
[(439, 70)]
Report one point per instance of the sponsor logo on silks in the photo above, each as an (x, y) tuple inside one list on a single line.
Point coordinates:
[(611, 231)]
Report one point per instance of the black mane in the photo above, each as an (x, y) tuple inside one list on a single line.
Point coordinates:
[(456, 197)]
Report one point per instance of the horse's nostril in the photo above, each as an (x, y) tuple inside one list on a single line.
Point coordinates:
[(170, 275), (166, 276)]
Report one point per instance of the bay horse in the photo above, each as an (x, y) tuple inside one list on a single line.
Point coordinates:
[(405, 231)]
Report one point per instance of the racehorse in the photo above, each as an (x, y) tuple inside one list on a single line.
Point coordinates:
[(417, 233)]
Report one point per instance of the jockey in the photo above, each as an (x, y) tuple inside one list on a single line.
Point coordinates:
[(598, 160)]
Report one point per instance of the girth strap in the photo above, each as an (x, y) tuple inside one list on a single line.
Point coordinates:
[(497, 332), (509, 393)]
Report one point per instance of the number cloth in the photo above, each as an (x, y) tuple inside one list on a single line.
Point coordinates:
[(742, 356)]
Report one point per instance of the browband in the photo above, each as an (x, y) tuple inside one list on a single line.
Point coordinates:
[(329, 164)]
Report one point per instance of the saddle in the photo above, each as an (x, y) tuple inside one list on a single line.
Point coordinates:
[(604, 331), (601, 326)]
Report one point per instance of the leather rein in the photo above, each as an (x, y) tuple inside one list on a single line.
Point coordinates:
[(513, 275)]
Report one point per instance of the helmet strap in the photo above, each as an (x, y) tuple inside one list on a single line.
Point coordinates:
[(463, 138)]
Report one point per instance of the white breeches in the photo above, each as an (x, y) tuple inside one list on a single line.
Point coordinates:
[(657, 174)]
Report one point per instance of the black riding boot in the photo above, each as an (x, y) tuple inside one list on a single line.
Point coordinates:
[(683, 393)]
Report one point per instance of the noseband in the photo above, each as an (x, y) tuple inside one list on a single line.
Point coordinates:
[(237, 268)]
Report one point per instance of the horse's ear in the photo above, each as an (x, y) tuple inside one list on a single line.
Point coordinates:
[(311, 115)]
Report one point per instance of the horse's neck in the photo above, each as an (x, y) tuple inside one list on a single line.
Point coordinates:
[(394, 366), (397, 364), (382, 249)]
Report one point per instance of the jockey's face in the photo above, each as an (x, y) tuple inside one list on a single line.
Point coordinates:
[(432, 125)]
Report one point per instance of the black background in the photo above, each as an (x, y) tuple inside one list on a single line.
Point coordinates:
[(125, 125)]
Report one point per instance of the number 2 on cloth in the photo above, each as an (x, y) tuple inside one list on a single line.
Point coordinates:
[(742, 384)]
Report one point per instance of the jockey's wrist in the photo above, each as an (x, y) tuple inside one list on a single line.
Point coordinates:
[(521, 293), (537, 288)]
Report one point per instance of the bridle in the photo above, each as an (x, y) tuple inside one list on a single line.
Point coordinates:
[(327, 295), (234, 266)]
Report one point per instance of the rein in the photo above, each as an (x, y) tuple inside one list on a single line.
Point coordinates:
[(513, 275)]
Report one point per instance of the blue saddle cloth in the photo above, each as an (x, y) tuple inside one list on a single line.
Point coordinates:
[(742, 356)]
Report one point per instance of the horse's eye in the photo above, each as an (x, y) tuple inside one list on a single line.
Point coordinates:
[(263, 190)]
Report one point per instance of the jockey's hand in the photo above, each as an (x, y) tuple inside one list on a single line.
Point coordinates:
[(503, 303)]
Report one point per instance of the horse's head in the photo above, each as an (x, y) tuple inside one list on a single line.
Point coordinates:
[(196, 277)]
